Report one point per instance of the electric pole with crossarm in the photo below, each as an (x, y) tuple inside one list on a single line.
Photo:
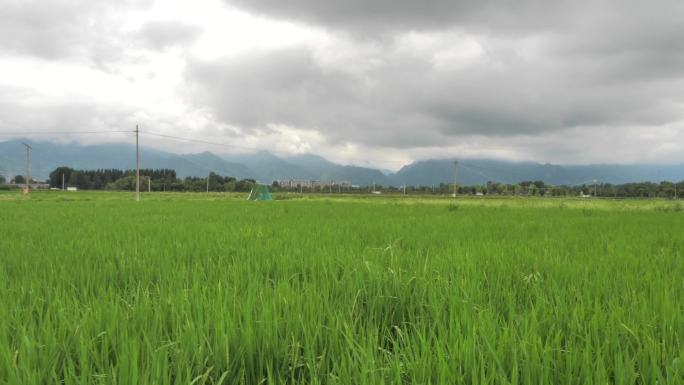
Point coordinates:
[(455, 177)]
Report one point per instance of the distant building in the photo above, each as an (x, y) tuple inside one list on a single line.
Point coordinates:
[(309, 184), (35, 185)]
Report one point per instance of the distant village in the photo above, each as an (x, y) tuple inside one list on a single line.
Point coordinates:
[(312, 184)]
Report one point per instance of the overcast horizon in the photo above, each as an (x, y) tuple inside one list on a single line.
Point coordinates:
[(373, 83)]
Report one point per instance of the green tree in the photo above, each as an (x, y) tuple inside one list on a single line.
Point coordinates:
[(55, 179), (126, 183), (214, 181), (245, 185)]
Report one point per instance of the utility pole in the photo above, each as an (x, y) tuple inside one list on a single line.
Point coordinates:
[(404, 188), (594, 188), (62, 181), (137, 164), (455, 177), (675, 189), (208, 182), (27, 169), (149, 184)]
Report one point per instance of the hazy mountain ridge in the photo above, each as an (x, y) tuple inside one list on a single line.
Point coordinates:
[(266, 167), (480, 171)]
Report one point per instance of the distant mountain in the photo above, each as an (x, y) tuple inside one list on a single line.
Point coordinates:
[(476, 171), (314, 163), (211, 162), (47, 156), (266, 167), (480, 171), (326, 170), (9, 166)]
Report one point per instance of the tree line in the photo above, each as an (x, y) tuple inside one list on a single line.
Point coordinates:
[(167, 180), (539, 188), (524, 188), (152, 179)]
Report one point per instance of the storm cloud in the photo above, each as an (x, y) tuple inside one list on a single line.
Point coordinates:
[(65, 29), (405, 15), (407, 97)]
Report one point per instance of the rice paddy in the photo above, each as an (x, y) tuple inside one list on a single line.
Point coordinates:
[(212, 289)]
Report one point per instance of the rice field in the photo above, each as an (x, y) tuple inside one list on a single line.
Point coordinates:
[(212, 289)]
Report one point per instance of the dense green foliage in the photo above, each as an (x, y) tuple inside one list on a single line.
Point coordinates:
[(152, 179), (206, 289), (102, 178)]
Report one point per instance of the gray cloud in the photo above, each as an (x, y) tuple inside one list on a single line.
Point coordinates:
[(59, 29), (407, 101), (379, 75), (162, 34), (542, 67), (402, 15), (24, 111), (289, 87), (609, 39)]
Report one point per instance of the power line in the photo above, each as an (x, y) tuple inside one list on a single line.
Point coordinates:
[(157, 134), (63, 132), (202, 141), (199, 141), (586, 182)]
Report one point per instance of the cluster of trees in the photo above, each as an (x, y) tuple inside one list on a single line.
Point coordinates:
[(103, 178), (152, 179), (17, 179), (539, 188), (642, 190)]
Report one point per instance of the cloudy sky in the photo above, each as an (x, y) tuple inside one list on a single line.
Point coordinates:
[(367, 82)]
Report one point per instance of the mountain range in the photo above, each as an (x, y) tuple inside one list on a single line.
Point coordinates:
[(266, 167)]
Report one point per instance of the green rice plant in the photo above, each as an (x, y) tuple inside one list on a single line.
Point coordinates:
[(213, 289)]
